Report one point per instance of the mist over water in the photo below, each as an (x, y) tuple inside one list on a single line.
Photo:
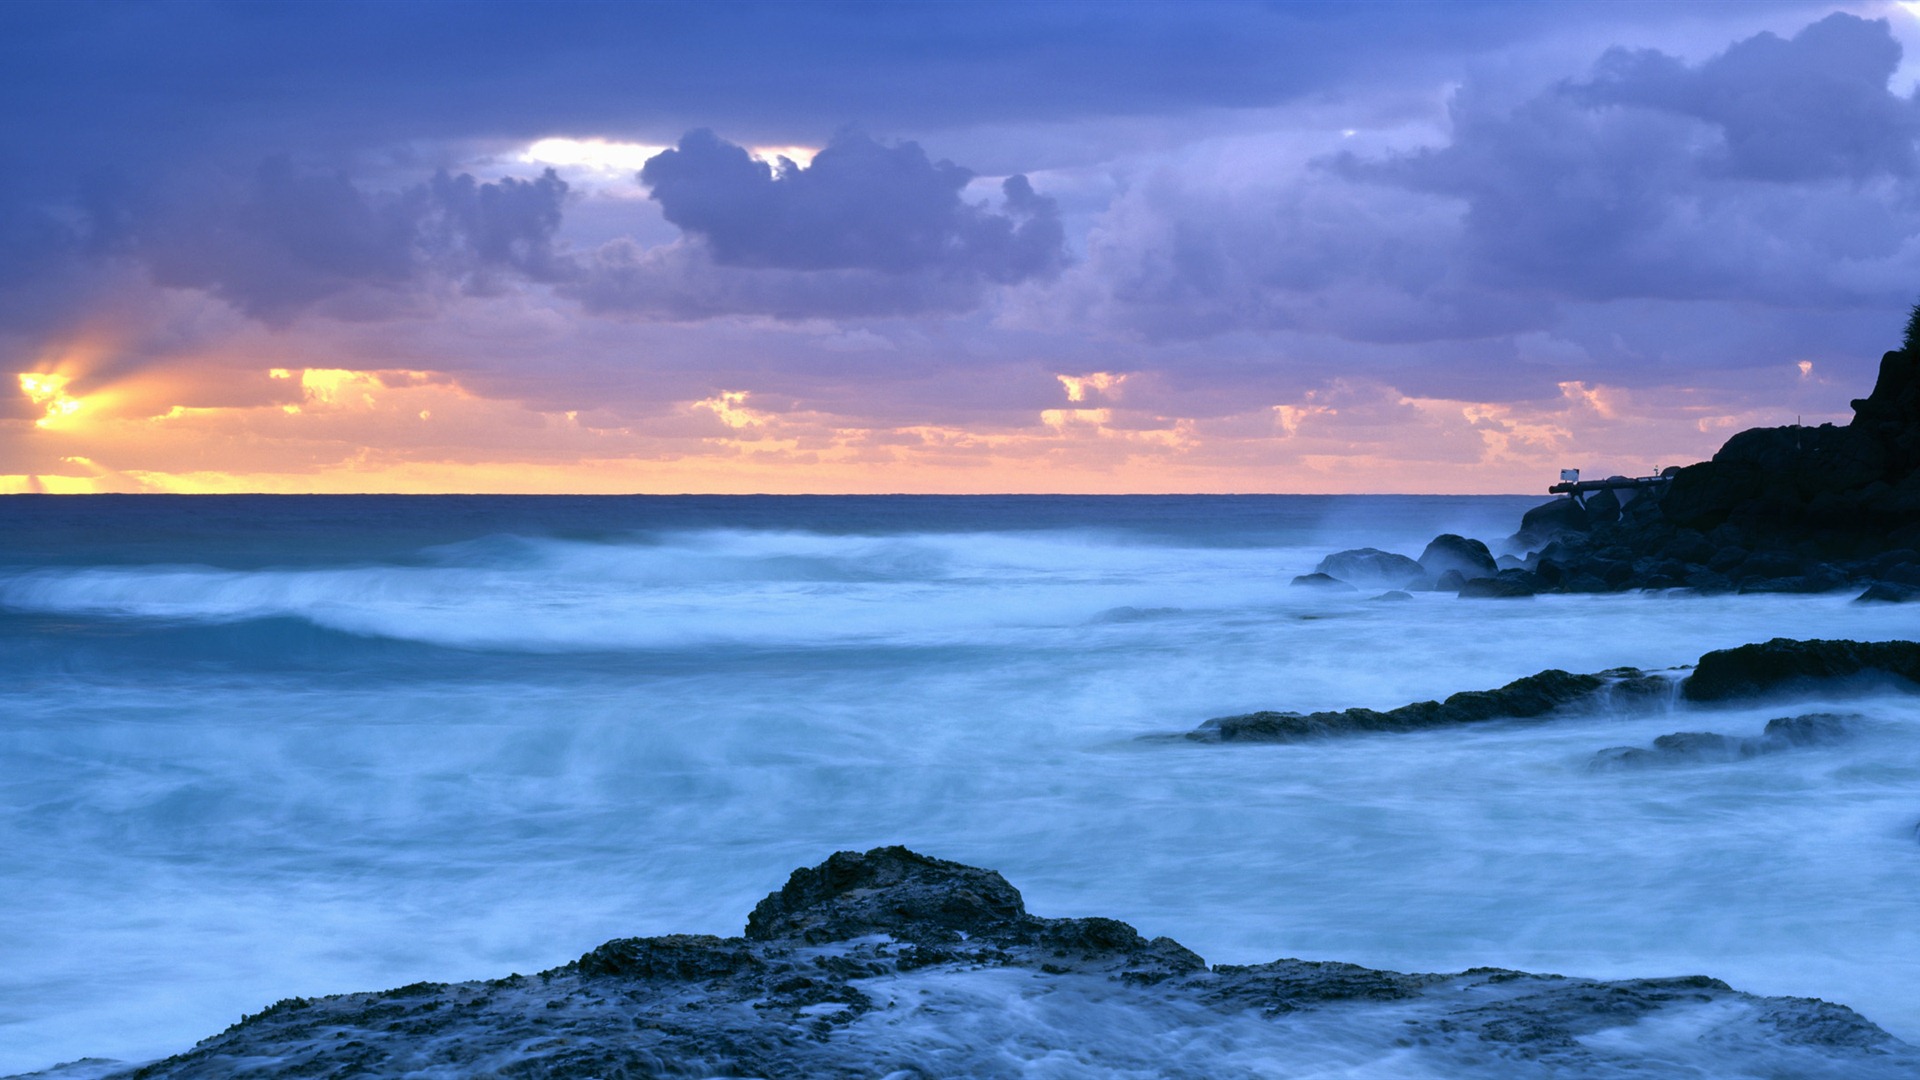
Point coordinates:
[(252, 749)]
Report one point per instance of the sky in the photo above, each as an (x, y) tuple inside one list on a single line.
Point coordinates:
[(939, 247)]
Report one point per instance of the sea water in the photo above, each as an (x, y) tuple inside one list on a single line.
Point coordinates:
[(253, 748)]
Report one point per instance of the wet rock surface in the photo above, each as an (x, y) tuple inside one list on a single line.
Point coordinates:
[(1781, 667), (889, 963), (1784, 665), (1532, 697), (1371, 567), (1706, 747)]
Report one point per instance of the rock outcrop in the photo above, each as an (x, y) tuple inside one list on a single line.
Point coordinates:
[(1780, 668), (1785, 665), (1535, 696), (1781, 510), (889, 963)]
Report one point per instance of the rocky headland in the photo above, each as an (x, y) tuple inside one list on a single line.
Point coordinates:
[(891, 964), (1786, 509), (1780, 668)]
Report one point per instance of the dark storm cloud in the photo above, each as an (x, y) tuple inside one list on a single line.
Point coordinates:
[(860, 205), (1779, 172), (1811, 106), (286, 239)]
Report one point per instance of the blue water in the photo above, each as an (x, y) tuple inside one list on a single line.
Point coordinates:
[(254, 747)]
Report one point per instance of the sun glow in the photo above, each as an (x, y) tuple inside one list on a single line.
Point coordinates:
[(49, 391), (612, 156), (603, 154)]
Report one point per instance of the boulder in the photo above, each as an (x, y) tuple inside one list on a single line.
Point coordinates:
[(1886, 592), (1449, 552), (1549, 520), (885, 891), (1370, 566), (1604, 505)]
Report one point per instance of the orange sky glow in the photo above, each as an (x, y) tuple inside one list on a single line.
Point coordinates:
[(335, 430)]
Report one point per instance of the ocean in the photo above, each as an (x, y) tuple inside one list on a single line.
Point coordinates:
[(257, 747)]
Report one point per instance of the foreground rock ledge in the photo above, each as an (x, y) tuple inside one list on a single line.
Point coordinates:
[(894, 964)]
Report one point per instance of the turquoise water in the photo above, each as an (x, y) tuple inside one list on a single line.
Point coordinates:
[(259, 747)]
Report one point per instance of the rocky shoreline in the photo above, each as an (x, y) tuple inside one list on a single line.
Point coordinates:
[(1776, 510), (892, 964)]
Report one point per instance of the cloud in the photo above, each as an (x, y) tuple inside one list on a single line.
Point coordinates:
[(1811, 106), (1779, 173), (866, 229), (860, 205), (287, 239)]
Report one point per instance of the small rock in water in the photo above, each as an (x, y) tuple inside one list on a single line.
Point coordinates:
[(1705, 747), (1323, 581)]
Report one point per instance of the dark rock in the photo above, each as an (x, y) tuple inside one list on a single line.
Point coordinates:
[(1549, 520), (1886, 592), (1451, 581), (1811, 729), (1507, 585), (885, 891), (1522, 699), (1395, 594), (1705, 747), (1780, 665), (1370, 566), (1769, 564), (1783, 665), (1604, 506), (1323, 581), (1449, 551), (1707, 581), (1902, 573), (1727, 559), (1689, 546), (866, 1005), (1887, 560)]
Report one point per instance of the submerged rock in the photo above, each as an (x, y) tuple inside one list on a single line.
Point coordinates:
[(1323, 581), (892, 963), (1702, 747)]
